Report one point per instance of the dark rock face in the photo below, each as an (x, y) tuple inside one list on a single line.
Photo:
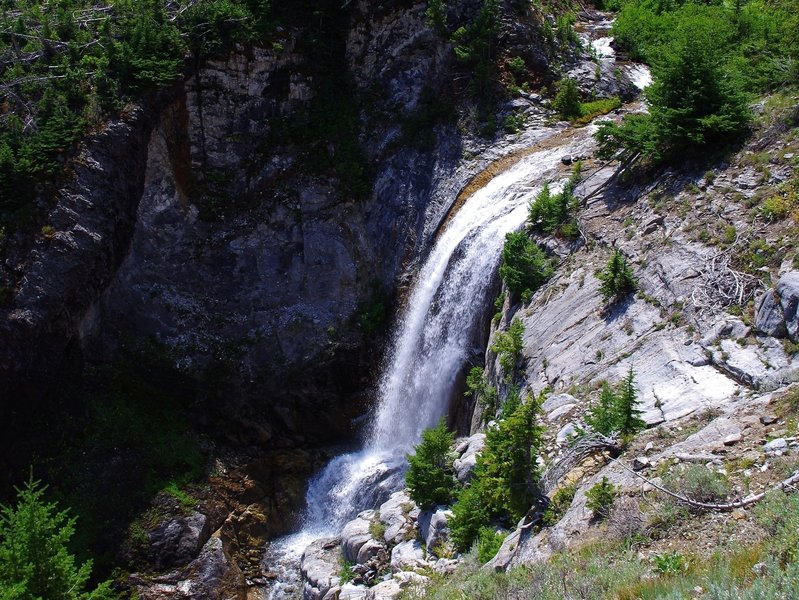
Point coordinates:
[(179, 541), (199, 224)]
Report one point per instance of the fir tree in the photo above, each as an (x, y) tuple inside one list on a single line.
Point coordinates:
[(617, 278), (601, 417), (628, 416), (429, 477), (34, 560)]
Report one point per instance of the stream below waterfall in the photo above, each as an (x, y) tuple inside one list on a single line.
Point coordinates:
[(433, 338)]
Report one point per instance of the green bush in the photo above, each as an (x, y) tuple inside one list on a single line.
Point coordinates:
[(554, 213), (524, 265), (601, 497), (699, 483), (477, 387), (436, 16), (617, 410), (429, 477), (508, 346), (489, 541), (35, 562), (505, 479), (617, 278), (567, 100)]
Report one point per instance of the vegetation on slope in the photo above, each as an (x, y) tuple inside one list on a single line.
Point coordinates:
[(706, 62)]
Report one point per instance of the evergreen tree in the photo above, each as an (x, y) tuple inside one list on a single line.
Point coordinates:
[(567, 101), (601, 417), (34, 561), (429, 477), (524, 265), (436, 15), (617, 278), (628, 416)]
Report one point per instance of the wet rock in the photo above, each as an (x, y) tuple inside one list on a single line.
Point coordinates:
[(395, 515), (355, 534), (320, 566), (788, 292), (433, 527), (179, 541), (768, 316), (465, 463), (408, 555)]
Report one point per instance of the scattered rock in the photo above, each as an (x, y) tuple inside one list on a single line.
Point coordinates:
[(768, 316), (776, 447), (788, 292), (732, 439), (760, 569), (433, 527), (561, 411), (640, 463), (768, 419), (649, 446), (408, 555), (556, 401), (566, 432), (394, 514)]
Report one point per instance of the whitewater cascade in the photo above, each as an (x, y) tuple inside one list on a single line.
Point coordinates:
[(430, 346)]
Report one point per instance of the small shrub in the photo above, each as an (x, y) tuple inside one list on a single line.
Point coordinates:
[(567, 100), (670, 563), (35, 561), (478, 388), (377, 529), (347, 572), (617, 410), (600, 498), (560, 503), (489, 542), (699, 483), (617, 278), (776, 207), (429, 476), (508, 347)]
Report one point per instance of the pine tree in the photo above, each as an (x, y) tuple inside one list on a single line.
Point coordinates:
[(628, 416), (34, 560), (429, 477), (617, 278), (601, 417)]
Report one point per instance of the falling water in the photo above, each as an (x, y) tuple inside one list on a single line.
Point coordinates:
[(430, 346)]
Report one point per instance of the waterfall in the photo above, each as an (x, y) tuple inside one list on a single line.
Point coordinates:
[(430, 344)]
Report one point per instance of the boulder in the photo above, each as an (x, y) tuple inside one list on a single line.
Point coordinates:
[(566, 432), (557, 401), (408, 555), (433, 526), (788, 292), (369, 550), (394, 514), (776, 447), (561, 411), (179, 541), (355, 534), (768, 316), (464, 464), (320, 566)]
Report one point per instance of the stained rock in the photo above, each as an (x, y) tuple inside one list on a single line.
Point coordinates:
[(768, 316), (788, 292), (394, 514), (179, 541)]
